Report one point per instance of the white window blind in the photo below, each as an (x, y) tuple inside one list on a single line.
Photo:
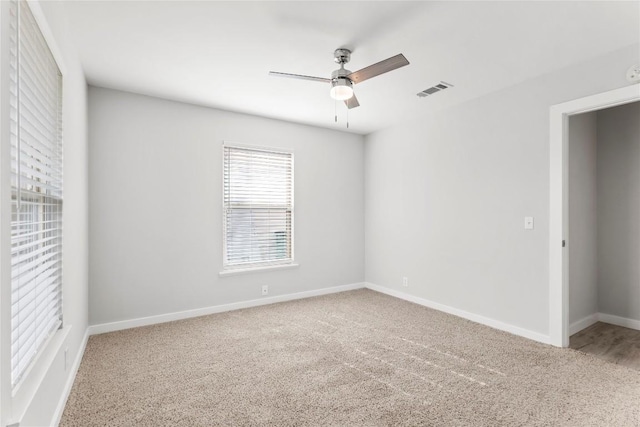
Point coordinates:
[(258, 207), (36, 183)]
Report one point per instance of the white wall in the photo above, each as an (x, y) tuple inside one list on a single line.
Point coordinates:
[(582, 242), (619, 211), (38, 398), (156, 206), (446, 195)]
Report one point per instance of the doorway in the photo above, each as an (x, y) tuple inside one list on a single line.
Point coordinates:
[(559, 324), (604, 235)]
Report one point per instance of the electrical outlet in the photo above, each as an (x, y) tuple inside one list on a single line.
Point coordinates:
[(528, 223), (66, 358), (405, 281), (265, 289)]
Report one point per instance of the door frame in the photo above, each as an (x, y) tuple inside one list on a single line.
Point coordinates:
[(559, 200)]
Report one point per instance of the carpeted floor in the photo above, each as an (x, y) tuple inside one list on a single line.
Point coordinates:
[(357, 358)]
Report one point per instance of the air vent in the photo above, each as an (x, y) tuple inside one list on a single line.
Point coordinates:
[(434, 89)]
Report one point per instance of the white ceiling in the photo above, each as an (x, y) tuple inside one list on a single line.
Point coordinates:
[(218, 54)]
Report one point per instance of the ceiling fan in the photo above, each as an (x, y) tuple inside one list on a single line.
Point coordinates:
[(342, 80)]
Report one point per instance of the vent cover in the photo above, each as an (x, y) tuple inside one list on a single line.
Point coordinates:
[(434, 89)]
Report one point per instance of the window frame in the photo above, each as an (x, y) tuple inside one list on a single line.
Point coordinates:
[(39, 365), (234, 269)]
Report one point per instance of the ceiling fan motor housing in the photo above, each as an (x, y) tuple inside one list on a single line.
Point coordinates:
[(342, 73)]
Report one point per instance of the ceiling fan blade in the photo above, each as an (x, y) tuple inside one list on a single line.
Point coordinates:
[(378, 68), (352, 102), (300, 76)]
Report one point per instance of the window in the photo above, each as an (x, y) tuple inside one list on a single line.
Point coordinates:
[(36, 184), (258, 207)]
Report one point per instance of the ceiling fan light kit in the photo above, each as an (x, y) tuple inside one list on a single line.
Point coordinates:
[(342, 80), (341, 89)]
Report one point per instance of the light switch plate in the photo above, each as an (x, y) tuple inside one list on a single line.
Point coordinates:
[(528, 223)]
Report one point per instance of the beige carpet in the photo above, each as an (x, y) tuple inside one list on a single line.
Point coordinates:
[(352, 359)]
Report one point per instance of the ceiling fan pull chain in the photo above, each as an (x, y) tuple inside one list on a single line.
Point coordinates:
[(347, 117), (335, 111)]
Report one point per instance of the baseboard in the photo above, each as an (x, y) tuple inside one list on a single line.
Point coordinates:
[(535, 336), (170, 317), (619, 321), (57, 415), (583, 323)]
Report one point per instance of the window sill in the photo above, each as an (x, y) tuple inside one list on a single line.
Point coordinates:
[(234, 272), (23, 393)]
